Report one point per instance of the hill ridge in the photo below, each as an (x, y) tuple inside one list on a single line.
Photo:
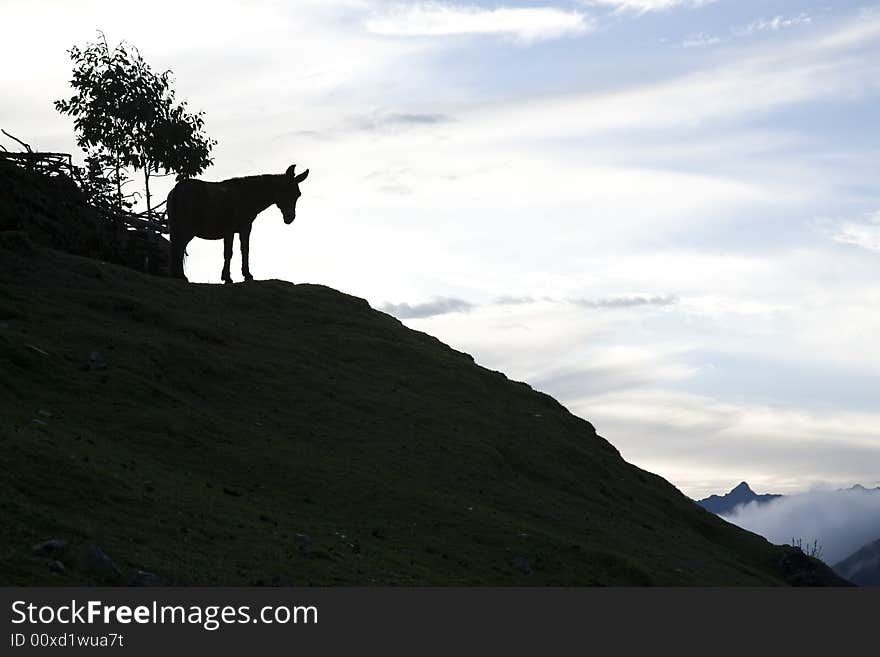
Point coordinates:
[(200, 432)]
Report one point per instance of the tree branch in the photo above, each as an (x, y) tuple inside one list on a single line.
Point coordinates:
[(27, 147)]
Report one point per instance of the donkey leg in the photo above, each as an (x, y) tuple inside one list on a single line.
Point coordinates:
[(227, 256), (178, 250), (245, 238), (175, 260)]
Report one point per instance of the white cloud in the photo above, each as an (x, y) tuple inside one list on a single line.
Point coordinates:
[(700, 40), (747, 87), (774, 24), (526, 24), (645, 6), (865, 234), (628, 301)]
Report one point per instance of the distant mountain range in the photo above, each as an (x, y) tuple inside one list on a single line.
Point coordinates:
[(742, 494), (862, 567), (862, 488)]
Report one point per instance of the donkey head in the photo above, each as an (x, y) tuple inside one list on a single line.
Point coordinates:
[(289, 193)]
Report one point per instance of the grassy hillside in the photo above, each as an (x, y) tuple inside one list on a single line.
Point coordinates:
[(279, 433)]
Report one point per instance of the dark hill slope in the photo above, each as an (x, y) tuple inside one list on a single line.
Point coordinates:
[(193, 431)]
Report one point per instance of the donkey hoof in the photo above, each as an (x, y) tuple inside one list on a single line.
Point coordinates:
[(227, 281), (248, 277)]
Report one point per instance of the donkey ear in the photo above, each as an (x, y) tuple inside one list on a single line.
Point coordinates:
[(302, 176), (289, 173)]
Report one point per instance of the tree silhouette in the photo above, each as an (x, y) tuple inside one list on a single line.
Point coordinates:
[(814, 550), (101, 190), (126, 115)]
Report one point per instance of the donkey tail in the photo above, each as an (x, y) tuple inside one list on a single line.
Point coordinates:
[(178, 246)]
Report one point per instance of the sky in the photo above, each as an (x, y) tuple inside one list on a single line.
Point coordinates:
[(665, 213)]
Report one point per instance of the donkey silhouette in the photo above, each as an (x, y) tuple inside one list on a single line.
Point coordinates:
[(219, 210)]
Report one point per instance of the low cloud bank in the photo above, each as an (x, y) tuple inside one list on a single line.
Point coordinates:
[(841, 521), (628, 302), (445, 305), (437, 306)]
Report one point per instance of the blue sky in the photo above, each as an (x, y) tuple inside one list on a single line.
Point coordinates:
[(664, 213)]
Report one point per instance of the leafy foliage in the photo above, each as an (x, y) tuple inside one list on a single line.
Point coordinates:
[(126, 116), (97, 180)]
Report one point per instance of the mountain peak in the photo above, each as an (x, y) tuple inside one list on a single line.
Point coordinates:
[(739, 495)]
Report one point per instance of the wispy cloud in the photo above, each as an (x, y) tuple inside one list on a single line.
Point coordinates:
[(865, 234), (445, 305), (627, 302), (431, 19), (607, 302), (700, 40), (436, 306), (747, 86), (774, 24), (509, 300), (380, 119), (645, 6)]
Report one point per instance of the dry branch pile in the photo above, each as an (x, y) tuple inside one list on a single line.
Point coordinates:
[(41, 195)]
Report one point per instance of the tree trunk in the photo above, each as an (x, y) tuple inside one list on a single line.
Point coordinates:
[(118, 187), (116, 158), (147, 189)]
